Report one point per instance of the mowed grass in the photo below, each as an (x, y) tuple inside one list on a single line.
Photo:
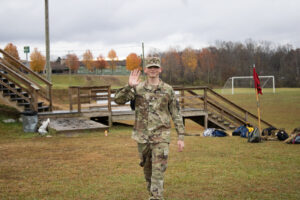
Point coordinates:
[(91, 165), (63, 81), (282, 109)]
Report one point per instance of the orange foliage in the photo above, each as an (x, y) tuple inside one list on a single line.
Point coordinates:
[(11, 50), (88, 60), (133, 62), (112, 55), (101, 62), (72, 62), (189, 59), (38, 61)]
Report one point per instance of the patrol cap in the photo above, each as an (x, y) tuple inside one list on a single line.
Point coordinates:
[(152, 61)]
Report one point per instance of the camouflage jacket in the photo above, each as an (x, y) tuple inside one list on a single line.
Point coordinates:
[(154, 108)]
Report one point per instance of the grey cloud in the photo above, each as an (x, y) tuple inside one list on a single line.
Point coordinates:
[(113, 22)]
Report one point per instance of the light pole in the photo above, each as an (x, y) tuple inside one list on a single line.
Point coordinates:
[(48, 67)]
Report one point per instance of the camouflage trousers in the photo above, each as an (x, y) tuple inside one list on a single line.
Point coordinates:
[(154, 158)]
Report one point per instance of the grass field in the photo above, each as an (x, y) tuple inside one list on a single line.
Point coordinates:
[(93, 166), (64, 81), (281, 109)]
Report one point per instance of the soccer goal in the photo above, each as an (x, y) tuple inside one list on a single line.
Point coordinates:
[(244, 82)]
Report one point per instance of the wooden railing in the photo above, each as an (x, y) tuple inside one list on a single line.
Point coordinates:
[(226, 109), (197, 101), (81, 95), (201, 98), (34, 84)]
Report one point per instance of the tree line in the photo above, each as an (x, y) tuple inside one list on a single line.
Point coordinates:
[(215, 64), (212, 65)]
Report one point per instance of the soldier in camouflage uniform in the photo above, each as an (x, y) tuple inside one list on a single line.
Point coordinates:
[(155, 104)]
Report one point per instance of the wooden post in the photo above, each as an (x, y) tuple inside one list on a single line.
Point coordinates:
[(70, 99), (78, 100), (205, 121), (109, 106), (246, 116), (35, 100), (182, 98), (90, 95), (205, 99), (50, 97), (109, 99)]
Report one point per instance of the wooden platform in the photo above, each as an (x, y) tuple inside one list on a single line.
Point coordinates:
[(78, 125), (87, 113), (118, 114)]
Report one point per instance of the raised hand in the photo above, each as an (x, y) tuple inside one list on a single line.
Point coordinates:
[(134, 78)]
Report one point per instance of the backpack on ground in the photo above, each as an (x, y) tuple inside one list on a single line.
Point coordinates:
[(254, 136), (242, 130), (245, 132), (219, 133), (269, 131), (282, 135), (296, 139)]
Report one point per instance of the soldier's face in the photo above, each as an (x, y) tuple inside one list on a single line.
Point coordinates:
[(153, 72)]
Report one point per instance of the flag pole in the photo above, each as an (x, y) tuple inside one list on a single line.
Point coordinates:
[(258, 110), (258, 106)]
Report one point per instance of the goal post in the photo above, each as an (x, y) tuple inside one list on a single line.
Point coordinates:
[(247, 82)]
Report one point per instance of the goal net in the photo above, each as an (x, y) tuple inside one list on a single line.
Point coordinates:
[(245, 84)]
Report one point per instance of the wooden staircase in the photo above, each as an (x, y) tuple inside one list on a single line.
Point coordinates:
[(22, 88), (221, 112)]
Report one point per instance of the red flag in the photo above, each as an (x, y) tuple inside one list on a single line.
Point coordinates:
[(256, 82)]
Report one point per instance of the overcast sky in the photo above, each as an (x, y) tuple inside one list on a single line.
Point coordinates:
[(122, 25)]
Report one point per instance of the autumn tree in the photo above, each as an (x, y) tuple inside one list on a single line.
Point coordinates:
[(208, 61), (11, 50), (190, 62), (112, 55), (88, 60), (101, 63), (189, 59), (172, 72), (38, 61), (133, 62), (72, 62)]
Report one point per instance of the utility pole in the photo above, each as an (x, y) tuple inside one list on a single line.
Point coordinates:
[(143, 56), (48, 67)]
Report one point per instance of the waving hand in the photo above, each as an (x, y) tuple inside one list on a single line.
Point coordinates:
[(134, 78)]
